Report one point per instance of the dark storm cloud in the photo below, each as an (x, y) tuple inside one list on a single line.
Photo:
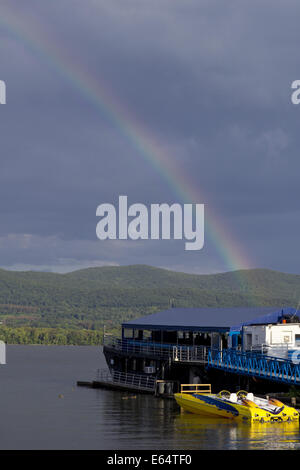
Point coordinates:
[(210, 80)]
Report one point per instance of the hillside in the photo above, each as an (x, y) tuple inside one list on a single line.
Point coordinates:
[(89, 298)]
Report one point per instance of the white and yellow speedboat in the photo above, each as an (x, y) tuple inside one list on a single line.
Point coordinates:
[(242, 405)]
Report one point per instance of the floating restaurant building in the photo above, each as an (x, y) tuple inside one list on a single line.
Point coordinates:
[(247, 346)]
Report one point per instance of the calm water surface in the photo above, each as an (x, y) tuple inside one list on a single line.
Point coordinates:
[(41, 408)]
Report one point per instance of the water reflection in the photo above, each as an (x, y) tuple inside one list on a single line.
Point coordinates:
[(224, 433), (34, 417), (146, 422)]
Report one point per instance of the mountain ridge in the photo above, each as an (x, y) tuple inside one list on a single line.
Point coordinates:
[(92, 297)]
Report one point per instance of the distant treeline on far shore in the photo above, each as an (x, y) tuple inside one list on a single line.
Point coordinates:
[(58, 336), (49, 308)]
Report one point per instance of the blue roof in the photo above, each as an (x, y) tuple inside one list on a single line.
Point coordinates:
[(202, 319), (272, 317)]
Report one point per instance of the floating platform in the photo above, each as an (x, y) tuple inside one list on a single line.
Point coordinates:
[(131, 383), (115, 386)]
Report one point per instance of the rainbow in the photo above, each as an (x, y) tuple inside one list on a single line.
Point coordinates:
[(149, 148)]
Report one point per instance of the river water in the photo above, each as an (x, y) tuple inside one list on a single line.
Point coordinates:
[(42, 408)]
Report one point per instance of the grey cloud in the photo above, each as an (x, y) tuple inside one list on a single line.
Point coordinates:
[(209, 80)]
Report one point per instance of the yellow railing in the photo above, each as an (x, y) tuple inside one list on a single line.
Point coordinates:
[(195, 388)]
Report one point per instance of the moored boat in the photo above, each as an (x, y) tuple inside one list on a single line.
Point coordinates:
[(242, 405)]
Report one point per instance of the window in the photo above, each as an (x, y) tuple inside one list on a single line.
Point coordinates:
[(128, 333)]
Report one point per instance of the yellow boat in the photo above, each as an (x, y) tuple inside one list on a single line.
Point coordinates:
[(242, 406)]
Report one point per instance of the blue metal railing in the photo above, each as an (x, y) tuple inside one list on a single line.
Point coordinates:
[(255, 365)]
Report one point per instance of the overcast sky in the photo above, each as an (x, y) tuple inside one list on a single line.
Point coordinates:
[(208, 81)]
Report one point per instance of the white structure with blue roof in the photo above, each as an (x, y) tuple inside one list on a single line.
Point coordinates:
[(260, 342)]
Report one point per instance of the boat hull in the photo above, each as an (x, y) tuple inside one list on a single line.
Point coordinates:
[(211, 405)]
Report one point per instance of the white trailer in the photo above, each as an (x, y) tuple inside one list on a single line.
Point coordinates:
[(275, 340)]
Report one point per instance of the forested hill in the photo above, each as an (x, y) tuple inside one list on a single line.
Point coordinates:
[(89, 298)]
